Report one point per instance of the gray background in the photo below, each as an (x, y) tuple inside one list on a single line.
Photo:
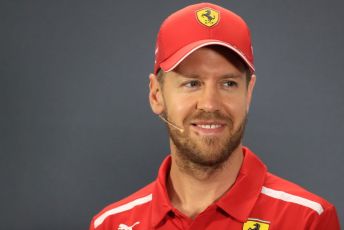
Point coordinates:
[(76, 128)]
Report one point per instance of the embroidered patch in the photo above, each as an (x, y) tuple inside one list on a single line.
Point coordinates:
[(255, 224), (208, 17)]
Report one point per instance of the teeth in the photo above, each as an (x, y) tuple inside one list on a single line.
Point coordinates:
[(209, 126)]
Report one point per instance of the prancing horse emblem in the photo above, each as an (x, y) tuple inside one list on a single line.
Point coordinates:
[(256, 227), (208, 16), (256, 224)]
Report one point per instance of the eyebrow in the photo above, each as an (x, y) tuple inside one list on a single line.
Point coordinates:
[(229, 75)]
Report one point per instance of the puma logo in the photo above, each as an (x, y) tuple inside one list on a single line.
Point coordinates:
[(125, 227)]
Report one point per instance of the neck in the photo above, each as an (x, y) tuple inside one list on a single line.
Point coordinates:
[(192, 191)]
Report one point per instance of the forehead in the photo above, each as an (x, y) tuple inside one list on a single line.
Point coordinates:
[(212, 60)]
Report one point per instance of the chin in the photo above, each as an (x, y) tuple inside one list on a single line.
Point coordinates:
[(209, 156)]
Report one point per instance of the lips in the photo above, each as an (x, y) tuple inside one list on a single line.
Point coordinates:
[(211, 126), (208, 127)]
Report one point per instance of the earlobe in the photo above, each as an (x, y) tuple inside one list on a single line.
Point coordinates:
[(155, 95)]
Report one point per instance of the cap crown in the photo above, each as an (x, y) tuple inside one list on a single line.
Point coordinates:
[(199, 25)]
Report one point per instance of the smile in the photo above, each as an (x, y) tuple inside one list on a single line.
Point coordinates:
[(211, 126), (208, 127)]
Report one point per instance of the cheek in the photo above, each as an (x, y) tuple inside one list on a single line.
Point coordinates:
[(236, 108), (179, 107)]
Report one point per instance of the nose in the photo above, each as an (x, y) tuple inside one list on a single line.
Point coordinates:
[(209, 99)]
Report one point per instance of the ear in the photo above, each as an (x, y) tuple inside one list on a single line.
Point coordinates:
[(155, 95), (250, 91)]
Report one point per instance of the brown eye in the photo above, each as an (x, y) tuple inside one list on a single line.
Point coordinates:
[(192, 84), (230, 84)]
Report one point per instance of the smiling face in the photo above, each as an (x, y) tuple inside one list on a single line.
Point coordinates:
[(207, 95)]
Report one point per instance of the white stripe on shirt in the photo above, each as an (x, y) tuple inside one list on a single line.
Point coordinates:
[(122, 208), (293, 199)]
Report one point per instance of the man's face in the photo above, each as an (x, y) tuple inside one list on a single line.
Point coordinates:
[(208, 97)]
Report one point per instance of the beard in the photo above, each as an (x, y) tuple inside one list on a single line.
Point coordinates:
[(207, 151)]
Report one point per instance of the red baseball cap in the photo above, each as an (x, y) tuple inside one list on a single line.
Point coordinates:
[(199, 25)]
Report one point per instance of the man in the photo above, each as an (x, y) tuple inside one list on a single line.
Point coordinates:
[(202, 87)]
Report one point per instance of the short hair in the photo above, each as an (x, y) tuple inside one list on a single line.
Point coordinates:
[(160, 76)]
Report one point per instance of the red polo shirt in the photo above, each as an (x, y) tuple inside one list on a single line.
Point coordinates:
[(258, 200)]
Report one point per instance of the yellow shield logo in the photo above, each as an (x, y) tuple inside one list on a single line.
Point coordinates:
[(208, 17), (256, 225)]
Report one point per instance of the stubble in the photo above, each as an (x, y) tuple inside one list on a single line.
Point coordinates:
[(205, 154)]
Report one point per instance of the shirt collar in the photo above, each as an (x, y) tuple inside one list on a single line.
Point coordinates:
[(238, 202), (161, 204)]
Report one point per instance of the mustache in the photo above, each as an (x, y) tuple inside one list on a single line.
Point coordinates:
[(218, 116)]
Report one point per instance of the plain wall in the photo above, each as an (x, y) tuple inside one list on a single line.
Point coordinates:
[(77, 132)]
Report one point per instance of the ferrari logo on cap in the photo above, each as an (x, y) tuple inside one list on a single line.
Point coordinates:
[(208, 16), (254, 224)]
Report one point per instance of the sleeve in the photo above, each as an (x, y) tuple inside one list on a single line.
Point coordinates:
[(327, 220)]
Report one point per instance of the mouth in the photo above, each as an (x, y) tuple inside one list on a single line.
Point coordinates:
[(208, 127)]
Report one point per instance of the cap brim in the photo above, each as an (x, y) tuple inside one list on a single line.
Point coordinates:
[(170, 63)]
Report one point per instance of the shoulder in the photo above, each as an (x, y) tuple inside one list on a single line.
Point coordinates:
[(281, 189), (134, 204), (291, 203)]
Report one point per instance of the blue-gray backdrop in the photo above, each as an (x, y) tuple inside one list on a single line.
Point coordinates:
[(76, 129)]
